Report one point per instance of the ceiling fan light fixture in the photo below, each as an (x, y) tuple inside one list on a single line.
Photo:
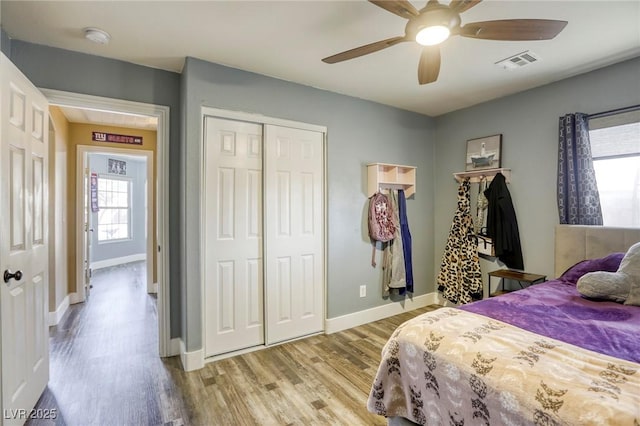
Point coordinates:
[(435, 34)]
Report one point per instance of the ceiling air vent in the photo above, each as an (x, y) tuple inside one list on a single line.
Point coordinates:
[(518, 61)]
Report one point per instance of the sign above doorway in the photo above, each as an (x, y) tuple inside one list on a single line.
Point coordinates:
[(115, 138)]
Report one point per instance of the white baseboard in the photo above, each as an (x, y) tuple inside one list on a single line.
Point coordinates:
[(355, 319), (195, 360), (75, 298), (55, 317), (191, 360), (439, 300), (118, 261), (174, 346)]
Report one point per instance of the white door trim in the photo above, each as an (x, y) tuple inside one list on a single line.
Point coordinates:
[(259, 119), (57, 97)]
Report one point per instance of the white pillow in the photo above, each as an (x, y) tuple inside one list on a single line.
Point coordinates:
[(619, 286)]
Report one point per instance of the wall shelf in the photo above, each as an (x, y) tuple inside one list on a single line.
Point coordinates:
[(477, 175), (383, 176)]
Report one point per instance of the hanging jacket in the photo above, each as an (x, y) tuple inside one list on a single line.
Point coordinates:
[(406, 240), (460, 279), (395, 276), (502, 225)]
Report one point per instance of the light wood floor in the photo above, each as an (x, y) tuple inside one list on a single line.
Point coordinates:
[(105, 370)]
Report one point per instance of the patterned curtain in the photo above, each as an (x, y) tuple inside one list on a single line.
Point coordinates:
[(578, 199)]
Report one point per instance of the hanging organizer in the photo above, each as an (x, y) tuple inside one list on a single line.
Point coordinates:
[(383, 176)]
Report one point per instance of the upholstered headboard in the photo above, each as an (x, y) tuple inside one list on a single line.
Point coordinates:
[(579, 242)]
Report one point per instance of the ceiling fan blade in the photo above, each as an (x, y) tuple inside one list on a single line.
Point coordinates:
[(363, 50), (462, 5), (400, 7), (429, 66), (514, 29)]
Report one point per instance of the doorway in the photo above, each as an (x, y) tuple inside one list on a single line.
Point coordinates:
[(118, 215), (159, 205)]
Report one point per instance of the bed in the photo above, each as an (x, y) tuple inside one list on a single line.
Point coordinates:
[(543, 355)]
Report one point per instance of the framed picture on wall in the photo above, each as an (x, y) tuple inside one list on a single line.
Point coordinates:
[(484, 153), (117, 167)]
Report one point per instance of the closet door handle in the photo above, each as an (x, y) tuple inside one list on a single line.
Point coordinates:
[(8, 276)]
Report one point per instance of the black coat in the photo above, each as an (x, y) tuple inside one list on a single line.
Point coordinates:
[(502, 225)]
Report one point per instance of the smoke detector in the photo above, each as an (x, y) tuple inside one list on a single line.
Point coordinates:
[(520, 60), (97, 35)]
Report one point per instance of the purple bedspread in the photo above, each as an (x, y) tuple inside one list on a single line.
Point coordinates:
[(555, 309)]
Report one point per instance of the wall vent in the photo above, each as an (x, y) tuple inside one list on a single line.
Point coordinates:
[(520, 60)]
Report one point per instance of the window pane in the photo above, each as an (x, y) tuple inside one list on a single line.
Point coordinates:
[(619, 140), (123, 216), (615, 147), (120, 231), (121, 199), (619, 189), (113, 216), (105, 216)]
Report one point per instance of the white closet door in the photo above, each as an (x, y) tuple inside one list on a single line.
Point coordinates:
[(294, 232), (233, 270)]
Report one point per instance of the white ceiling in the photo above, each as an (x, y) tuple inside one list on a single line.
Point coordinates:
[(92, 116), (288, 39)]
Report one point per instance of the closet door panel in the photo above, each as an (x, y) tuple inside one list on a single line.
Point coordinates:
[(232, 243), (282, 284), (294, 230)]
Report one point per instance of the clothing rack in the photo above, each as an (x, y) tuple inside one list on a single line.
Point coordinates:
[(476, 176)]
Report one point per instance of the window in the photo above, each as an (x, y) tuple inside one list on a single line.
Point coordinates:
[(615, 146), (114, 202)]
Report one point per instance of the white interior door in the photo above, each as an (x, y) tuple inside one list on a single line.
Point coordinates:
[(232, 222), (294, 232), (23, 243)]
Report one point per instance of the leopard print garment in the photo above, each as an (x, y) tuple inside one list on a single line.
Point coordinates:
[(460, 279)]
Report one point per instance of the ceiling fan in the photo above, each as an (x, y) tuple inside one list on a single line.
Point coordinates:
[(434, 23)]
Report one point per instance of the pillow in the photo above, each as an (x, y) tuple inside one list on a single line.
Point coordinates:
[(616, 286), (608, 263), (634, 295), (605, 286)]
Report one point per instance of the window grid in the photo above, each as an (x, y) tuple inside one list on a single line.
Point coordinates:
[(114, 213)]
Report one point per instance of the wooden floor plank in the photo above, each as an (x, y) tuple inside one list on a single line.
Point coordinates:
[(105, 369)]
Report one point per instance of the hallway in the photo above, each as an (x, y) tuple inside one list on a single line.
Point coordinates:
[(104, 364)]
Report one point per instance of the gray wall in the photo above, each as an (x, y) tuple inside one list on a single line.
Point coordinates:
[(5, 43), (359, 132), (59, 69), (528, 122), (137, 244)]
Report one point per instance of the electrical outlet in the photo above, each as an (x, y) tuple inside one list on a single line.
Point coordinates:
[(363, 291)]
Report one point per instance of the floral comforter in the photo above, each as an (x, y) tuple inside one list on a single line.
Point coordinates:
[(452, 367)]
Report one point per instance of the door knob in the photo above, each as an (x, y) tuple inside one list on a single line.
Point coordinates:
[(8, 275)]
